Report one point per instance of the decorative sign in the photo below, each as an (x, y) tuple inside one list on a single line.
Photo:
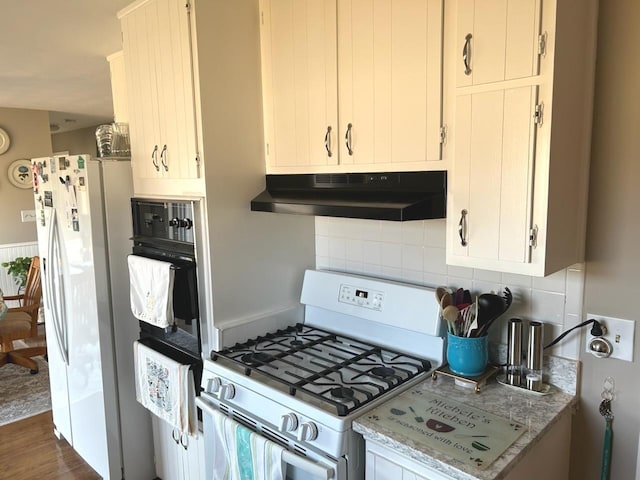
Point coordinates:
[(475, 437)]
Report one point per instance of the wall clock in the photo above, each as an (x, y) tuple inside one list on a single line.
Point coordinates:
[(20, 173), (4, 141)]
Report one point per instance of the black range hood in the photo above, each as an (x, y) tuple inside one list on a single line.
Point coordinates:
[(397, 196)]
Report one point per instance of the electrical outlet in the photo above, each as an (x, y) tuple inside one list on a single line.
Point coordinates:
[(619, 333)]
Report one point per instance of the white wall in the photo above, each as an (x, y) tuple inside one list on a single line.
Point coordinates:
[(415, 252)]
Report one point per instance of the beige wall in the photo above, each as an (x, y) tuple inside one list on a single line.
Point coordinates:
[(30, 138), (613, 262), (76, 142)]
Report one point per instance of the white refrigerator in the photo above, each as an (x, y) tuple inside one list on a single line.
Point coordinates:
[(83, 217)]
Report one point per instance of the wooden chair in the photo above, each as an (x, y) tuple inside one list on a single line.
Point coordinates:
[(22, 322)]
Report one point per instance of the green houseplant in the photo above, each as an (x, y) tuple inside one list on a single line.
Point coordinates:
[(18, 268)]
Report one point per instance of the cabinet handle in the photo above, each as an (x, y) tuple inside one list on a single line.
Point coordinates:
[(462, 228), (154, 158), (466, 54), (184, 441), (327, 140), (175, 435), (163, 158), (347, 139)]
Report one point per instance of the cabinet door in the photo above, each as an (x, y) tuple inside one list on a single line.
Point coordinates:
[(139, 31), (390, 81), (384, 464), (193, 457), (178, 156), (493, 175), (168, 457), (298, 41), (497, 40)]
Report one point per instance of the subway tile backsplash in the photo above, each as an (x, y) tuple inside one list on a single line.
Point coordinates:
[(414, 252)]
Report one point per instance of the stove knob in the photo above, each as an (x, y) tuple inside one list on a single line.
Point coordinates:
[(308, 431), (227, 392), (289, 422), (213, 385)]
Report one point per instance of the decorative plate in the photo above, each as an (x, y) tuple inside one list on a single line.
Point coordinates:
[(20, 173), (4, 141)]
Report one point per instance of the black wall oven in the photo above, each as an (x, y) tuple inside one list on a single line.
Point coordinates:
[(164, 230)]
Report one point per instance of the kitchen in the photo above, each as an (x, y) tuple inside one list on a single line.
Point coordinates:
[(607, 268)]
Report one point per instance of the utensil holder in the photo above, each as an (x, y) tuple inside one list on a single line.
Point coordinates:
[(467, 356)]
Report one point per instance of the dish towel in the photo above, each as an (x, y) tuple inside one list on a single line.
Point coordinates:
[(241, 454), (151, 290), (165, 388)]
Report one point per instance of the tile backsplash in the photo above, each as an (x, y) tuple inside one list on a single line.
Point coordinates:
[(414, 252)]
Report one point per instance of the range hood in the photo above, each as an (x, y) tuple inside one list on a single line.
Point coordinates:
[(397, 196)]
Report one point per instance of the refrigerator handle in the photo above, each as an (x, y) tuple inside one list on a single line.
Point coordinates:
[(53, 225)]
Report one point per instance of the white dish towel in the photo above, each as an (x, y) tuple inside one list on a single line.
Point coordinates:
[(151, 290), (241, 454), (165, 387)]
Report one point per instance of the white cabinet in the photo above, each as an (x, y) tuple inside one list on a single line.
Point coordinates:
[(352, 85), (158, 61), (497, 40), (118, 87), (177, 457), (521, 135)]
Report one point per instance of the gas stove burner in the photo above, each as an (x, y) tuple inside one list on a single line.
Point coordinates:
[(342, 393), (295, 343), (256, 358), (383, 372)]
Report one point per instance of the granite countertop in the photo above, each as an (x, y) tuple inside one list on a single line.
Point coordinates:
[(536, 413)]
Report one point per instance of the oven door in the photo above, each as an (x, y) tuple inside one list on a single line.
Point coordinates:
[(304, 464)]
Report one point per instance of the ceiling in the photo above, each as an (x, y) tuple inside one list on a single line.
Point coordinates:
[(53, 57)]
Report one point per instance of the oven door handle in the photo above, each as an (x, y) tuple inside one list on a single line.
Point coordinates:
[(309, 466)]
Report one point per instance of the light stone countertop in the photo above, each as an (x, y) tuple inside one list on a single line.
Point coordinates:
[(536, 412)]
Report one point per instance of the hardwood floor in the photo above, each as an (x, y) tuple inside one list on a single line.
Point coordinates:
[(30, 450)]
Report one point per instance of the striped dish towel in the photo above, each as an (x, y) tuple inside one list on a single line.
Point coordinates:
[(241, 454)]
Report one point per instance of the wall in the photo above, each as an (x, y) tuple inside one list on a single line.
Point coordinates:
[(613, 263), (30, 138), (76, 142), (415, 252)]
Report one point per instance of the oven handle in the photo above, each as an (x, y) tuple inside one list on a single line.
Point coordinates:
[(308, 466)]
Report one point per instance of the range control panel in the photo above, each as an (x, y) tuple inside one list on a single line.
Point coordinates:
[(360, 297)]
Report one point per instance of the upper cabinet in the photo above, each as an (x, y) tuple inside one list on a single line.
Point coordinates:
[(352, 85), (497, 40), (159, 70), (524, 74)]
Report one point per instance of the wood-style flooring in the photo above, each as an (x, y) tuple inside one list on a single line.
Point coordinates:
[(29, 450)]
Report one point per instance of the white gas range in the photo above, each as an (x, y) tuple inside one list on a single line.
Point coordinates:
[(362, 341)]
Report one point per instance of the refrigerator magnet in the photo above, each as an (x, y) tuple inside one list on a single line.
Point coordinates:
[(62, 163), (81, 184), (48, 199), (75, 224), (80, 162)]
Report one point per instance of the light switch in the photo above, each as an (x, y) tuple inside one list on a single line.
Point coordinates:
[(28, 215)]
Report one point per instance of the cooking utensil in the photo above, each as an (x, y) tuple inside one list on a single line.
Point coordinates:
[(474, 323), (459, 297), (467, 316), (446, 300), (417, 417), (494, 306), (451, 314), (440, 291)]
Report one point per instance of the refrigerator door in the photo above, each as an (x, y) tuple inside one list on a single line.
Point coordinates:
[(86, 371), (50, 282)]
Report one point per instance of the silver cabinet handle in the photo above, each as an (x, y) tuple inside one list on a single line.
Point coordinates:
[(154, 158), (184, 441), (347, 139), (327, 140), (163, 158), (466, 54), (175, 434), (462, 228)]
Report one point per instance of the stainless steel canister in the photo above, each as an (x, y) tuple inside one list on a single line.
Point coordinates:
[(514, 352), (534, 356)]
